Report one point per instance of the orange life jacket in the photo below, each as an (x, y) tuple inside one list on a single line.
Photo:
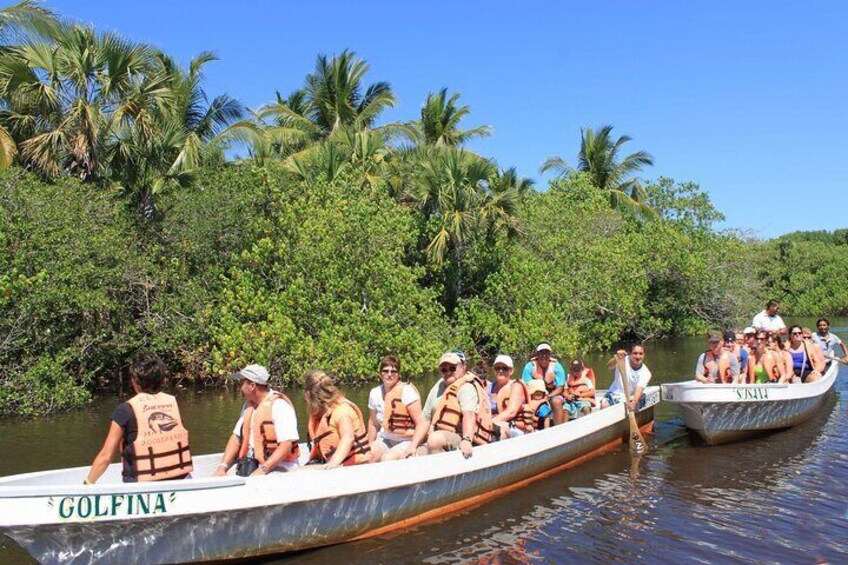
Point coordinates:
[(396, 418), (547, 375), (161, 450), (505, 393), (448, 413), (325, 437), (722, 367), (264, 433), (584, 382), (528, 419)]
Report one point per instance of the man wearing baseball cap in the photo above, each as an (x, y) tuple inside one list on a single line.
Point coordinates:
[(257, 447), (543, 366), (471, 399)]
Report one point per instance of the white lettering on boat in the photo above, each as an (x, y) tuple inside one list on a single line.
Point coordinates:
[(93, 506), (758, 393)]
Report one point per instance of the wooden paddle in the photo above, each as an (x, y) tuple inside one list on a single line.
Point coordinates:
[(832, 358), (637, 442)]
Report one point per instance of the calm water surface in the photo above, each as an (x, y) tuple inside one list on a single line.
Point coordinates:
[(778, 499)]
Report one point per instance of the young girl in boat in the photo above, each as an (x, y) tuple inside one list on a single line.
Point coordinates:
[(394, 414), (336, 427), (148, 430)]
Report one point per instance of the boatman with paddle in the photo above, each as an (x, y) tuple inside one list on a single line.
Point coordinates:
[(638, 376)]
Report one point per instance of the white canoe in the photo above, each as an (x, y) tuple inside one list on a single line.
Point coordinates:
[(57, 519), (722, 413)]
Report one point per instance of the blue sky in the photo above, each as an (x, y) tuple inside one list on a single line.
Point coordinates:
[(747, 99)]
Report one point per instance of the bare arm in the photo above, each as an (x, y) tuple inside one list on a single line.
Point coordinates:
[(512, 408), (421, 426), (229, 457), (107, 453), (282, 450), (469, 426), (373, 426), (345, 443)]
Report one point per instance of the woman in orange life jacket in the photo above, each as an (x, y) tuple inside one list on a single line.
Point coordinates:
[(579, 390), (336, 427), (147, 428), (716, 365), (394, 414), (509, 395), (265, 437)]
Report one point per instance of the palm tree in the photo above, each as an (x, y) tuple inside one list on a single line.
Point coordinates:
[(18, 21), (440, 118), (598, 158), (61, 97)]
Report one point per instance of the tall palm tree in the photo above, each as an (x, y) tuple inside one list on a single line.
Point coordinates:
[(440, 118), (599, 158), (62, 96), (17, 22)]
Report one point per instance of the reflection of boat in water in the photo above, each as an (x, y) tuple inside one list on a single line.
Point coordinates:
[(722, 413), (750, 467), (59, 520)]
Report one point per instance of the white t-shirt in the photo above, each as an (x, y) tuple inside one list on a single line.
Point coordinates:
[(763, 321), (285, 426), (635, 378), (376, 402)]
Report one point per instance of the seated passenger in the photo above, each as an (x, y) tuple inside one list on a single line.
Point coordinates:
[(265, 437), (457, 411), (579, 390), (336, 427), (510, 395), (739, 346), (807, 364), (779, 363), (637, 378), (536, 414), (390, 430), (149, 423), (546, 368), (716, 364)]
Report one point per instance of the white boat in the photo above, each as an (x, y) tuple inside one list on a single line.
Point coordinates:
[(57, 519), (722, 413)]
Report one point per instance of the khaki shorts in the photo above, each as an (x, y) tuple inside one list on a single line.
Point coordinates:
[(385, 444)]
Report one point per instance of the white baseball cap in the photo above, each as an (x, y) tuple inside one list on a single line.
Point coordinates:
[(256, 373), (543, 347), (503, 360)]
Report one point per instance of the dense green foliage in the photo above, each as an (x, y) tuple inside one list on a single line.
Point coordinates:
[(337, 240)]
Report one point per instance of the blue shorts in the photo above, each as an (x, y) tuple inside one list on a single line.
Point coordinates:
[(575, 407)]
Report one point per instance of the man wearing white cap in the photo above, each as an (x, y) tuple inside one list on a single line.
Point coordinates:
[(265, 437), (509, 395), (548, 369), (468, 396)]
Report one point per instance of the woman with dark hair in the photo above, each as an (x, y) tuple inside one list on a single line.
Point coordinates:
[(394, 414), (805, 362), (147, 429)]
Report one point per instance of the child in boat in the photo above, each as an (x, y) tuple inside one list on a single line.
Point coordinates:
[(579, 390), (538, 412)]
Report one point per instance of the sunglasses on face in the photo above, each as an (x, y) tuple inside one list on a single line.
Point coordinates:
[(389, 371), (796, 333), (501, 369), (447, 370)]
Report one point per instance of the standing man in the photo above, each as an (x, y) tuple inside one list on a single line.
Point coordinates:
[(546, 368), (827, 341), (638, 377), (769, 320), (265, 437), (456, 412)]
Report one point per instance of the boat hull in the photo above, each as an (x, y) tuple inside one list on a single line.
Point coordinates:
[(727, 413), (436, 484)]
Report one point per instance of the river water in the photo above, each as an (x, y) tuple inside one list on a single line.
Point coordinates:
[(782, 498)]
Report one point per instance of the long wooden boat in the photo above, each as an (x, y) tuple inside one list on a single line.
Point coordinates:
[(721, 413), (57, 519)]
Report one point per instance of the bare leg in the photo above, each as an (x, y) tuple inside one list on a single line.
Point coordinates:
[(559, 413)]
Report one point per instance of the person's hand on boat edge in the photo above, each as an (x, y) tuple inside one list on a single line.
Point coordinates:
[(465, 447)]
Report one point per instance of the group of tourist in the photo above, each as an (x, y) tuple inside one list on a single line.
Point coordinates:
[(758, 354), (462, 410)]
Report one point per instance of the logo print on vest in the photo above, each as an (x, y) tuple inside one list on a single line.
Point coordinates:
[(161, 422)]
